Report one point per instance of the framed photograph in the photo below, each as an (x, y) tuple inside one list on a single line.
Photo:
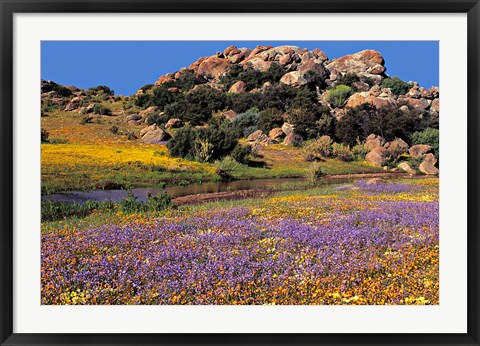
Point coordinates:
[(234, 172)]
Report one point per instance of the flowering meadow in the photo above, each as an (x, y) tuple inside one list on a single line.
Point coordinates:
[(357, 243)]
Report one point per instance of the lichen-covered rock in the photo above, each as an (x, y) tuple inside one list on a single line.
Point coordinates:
[(238, 87), (292, 140), (404, 166), (368, 63), (373, 141), (173, 123), (418, 150), (276, 134), (287, 128), (377, 156), (153, 134), (212, 68)]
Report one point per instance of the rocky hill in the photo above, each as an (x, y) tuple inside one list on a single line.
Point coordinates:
[(274, 94)]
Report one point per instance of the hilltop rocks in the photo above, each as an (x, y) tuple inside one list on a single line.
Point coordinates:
[(414, 103), (169, 77), (379, 98), (238, 87), (435, 106), (153, 134), (235, 55), (367, 63), (212, 68), (294, 79)]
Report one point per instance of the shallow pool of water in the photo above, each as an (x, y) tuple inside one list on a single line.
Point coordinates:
[(174, 191)]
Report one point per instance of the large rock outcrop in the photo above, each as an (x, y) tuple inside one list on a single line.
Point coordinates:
[(367, 63)]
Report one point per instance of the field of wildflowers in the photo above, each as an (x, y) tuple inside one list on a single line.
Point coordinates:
[(358, 243), (88, 157)]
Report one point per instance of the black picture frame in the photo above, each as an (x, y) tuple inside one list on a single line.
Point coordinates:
[(10, 7)]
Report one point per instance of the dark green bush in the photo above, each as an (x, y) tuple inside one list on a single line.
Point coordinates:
[(101, 109), (130, 204), (252, 77), (247, 120), (242, 102), (428, 136), (269, 118), (62, 91), (309, 122), (361, 121), (101, 89), (147, 87), (398, 86), (158, 118), (182, 144), (241, 153)]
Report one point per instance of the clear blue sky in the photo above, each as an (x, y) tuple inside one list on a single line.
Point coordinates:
[(125, 66)]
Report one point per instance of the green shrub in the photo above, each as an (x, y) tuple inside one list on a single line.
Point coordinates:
[(319, 149), (363, 120), (252, 77), (398, 86), (48, 106), (62, 91), (182, 144), (314, 174), (359, 151), (311, 121), (244, 121), (241, 153), (342, 152), (226, 167), (338, 95), (100, 109), (101, 89), (44, 134), (203, 149), (270, 118), (147, 87), (223, 140), (159, 202), (157, 118), (249, 130), (279, 96), (348, 79), (428, 136)]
